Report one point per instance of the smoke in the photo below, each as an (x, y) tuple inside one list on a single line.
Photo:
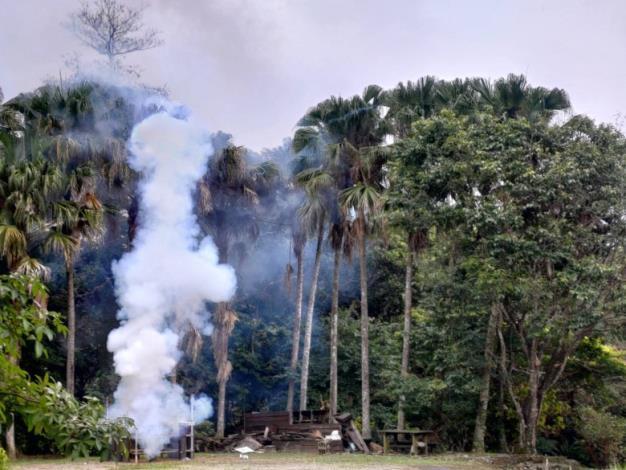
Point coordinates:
[(165, 282)]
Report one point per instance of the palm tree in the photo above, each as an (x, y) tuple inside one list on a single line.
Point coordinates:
[(365, 202), (298, 240), (343, 134), (410, 102), (513, 97), (341, 243), (78, 218), (407, 103), (228, 195), (313, 215)]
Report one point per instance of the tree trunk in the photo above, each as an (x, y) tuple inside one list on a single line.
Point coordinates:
[(504, 445), (224, 324), (9, 436), (406, 333), (295, 335), (365, 346), (483, 402), (308, 331), (334, 320), (70, 369), (532, 405), (221, 409)]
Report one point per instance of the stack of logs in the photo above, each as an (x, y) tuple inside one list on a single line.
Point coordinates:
[(306, 431)]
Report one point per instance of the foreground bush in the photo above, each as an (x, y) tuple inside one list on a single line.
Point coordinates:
[(604, 435)]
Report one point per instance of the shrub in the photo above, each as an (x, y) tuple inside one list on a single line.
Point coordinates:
[(78, 429), (603, 434), (4, 460)]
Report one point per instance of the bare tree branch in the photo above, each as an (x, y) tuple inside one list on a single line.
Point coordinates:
[(113, 29)]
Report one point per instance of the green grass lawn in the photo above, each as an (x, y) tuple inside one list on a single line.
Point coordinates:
[(279, 461)]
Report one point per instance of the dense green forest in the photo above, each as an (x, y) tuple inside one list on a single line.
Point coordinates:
[(444, 255)]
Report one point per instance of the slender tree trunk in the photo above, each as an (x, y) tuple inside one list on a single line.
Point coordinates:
[(224, 323), (308, 331), (9, 434), (334, 319), (504, 445), (365, 342), (295, 335), (483, 402), (70, 369), (223, 328), (406, 333), (221, 409), (532, 404)]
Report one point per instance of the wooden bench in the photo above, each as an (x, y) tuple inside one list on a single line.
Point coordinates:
[(419, 440)]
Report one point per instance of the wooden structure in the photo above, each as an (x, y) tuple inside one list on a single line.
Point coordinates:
[(304, 431), (419, 440), (179, 448)]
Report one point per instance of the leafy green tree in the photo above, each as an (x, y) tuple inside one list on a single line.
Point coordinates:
[(407, 103), (545, 252), (24, 321)]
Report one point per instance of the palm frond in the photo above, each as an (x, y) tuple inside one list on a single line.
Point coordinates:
[(314, 180), (205, 198), (192, 343), (12, 243), (60, 242), (32, 267)]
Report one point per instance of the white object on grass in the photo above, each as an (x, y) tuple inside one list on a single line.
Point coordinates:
[(244, 451)]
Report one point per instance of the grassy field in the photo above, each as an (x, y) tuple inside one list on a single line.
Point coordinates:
[(282, 461)]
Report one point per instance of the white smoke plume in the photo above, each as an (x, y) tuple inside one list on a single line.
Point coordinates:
[(165, 282)]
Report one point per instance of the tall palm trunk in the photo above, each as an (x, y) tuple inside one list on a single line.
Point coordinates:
[(365, 341), (224, 324), (221, 409), (308, 330), (483, 401), (406, 333), (295, 335), (221, 334), (70, 366), (334, 314)]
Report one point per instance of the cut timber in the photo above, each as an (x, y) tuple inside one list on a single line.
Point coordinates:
[(343, 418), (355, 436), (258, 421)]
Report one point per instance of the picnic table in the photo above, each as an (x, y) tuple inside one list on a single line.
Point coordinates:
[(419, 439)]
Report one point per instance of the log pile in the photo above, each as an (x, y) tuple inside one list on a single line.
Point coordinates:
[(310, 431)]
